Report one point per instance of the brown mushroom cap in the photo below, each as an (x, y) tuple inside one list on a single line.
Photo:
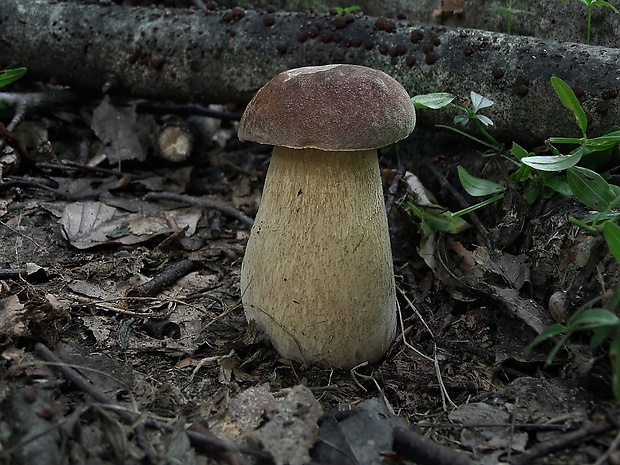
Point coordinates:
[(332, 107)]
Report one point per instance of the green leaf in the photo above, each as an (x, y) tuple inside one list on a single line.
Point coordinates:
[(559, 184), (591, 319), (461, 119), (485, 120), (569, 100), (600, 336), (478, 187), (605, 4), (9, 76), (522, 174), (432, 101), (518, 151), (590, 188), (548, 333), (503, 9), (438, 218), (606, 142), (478, 102), (611, 233), (552, 162)]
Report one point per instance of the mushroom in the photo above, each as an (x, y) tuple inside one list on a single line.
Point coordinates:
[(317, 276)]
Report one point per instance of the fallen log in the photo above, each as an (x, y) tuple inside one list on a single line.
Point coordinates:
[(227, 55)]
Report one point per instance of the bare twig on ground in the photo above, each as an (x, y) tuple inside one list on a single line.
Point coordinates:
[(424, 451), (567, 440), (163, 280), (200, 202)]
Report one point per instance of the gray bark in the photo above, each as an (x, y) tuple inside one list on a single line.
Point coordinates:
[(552, 19), (197, 56)]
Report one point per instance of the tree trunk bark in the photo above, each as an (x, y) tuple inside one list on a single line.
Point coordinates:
[(227, 55)]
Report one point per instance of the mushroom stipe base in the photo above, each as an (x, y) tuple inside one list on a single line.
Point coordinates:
[(317, 276)]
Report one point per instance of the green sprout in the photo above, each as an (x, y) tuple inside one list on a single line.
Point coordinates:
[(350, 9), (509, 11), (590, 4), (469, 113)]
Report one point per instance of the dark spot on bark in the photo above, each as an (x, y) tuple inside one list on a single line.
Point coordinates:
[(427, 48), (401, 15), (410, 61), (609, 94), (579, 93), (521, 90), (354, 42), (349, 17), (238, 13), (336, 37), (468, 51), (383, 49), (301, 37), (384, 24), (522, 80), (417, 35), (369, 45), (602, 108), (498, 73), (326, 37), (313, 31), (340, 22), (430, 58), (269, 20), (436, 41), (281, 48)]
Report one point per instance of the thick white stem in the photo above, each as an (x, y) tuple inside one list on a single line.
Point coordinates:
[(317, 276)]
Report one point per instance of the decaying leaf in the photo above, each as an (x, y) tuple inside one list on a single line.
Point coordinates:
[(12, 317), (88, 224), (358, 436), (125, 136)]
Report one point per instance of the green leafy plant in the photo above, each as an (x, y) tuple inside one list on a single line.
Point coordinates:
[(437, 218), (602, 321), (468, 113), (509, 11), (590, 4), (349, 9), (9, 76)]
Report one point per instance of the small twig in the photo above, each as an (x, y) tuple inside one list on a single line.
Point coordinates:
[(200, 202), (66, 165), (199, 439), (424, 451), (163, 280), (393, 190), (567, 440)]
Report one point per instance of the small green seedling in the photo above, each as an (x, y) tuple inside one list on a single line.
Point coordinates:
[(437, 218), (590, 4), (469, 113), (9, 76), (350, 9), (509, 11)]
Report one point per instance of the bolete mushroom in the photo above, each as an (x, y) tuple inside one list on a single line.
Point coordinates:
[(317, 276)]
